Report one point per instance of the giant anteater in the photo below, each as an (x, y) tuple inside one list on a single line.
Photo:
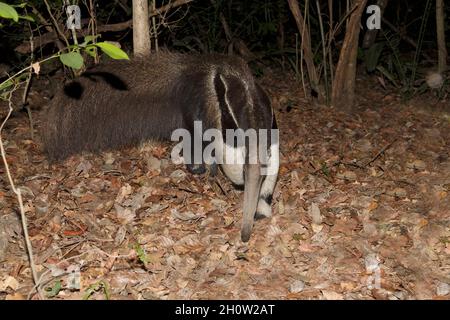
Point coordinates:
[(123, 103)]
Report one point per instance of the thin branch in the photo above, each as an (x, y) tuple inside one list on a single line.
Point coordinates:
[(55, 23), (155, 28), (379, 153), (123, 5), (47, 26), (28, 82), (324, 54)]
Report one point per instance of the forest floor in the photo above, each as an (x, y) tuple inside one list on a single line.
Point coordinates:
[(361, 211)]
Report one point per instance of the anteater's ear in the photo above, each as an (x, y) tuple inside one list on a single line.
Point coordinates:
[(231, 93), (74, 90)]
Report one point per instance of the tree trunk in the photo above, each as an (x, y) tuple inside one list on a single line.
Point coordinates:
[(141, 28), (371, 35), (308, 55), (343, 92), (440, 30)]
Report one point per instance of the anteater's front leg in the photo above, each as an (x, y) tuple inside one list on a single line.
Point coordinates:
[(196, 165), (264, 208)]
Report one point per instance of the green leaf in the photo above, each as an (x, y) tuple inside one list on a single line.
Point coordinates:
[(91, 50), (72, 59), (88, 39), (325, 169), (8, 12), (53, 291), (20, 5), (141, 254), (112, 51), (28, 18), (95, 287), (6, 84)]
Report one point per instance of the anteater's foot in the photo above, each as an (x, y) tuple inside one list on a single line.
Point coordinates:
[(196, 168), (264, 209), (259, 216)]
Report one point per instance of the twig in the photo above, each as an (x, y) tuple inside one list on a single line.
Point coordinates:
[(335, 164), (155, 29), (324, 53), (19, 198), (124, 6), (46, 25), (93, 26), (28, 82), (330, 40), (317, 170), (30, 119), (61, 34), (387, 146), (216, 181)]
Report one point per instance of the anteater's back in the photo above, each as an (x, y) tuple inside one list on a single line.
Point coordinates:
[(122, 103)]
